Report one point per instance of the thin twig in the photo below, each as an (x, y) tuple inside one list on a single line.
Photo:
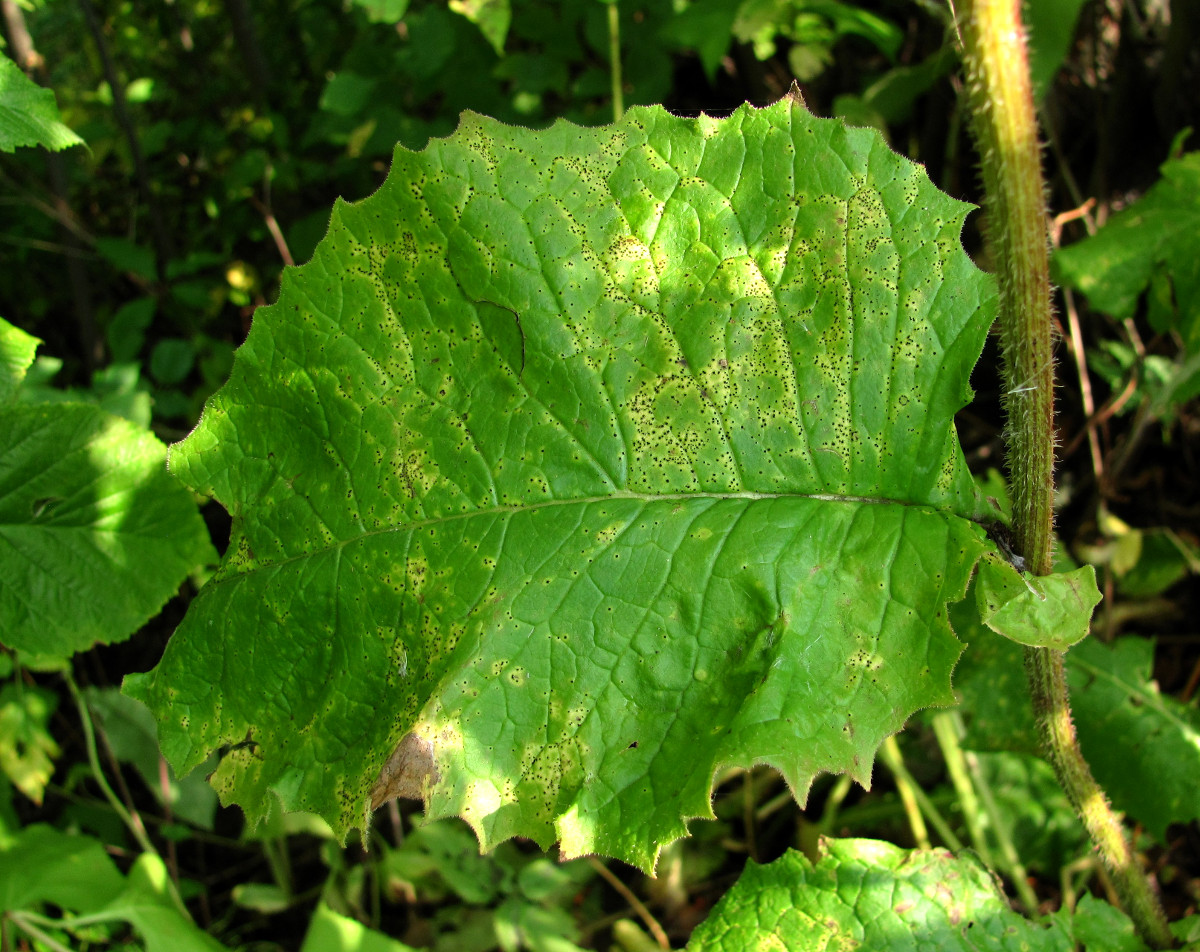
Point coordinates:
[(132, 821), (1085, 383), (748, 814), (636, 904), (1084, 211), (281, 244)]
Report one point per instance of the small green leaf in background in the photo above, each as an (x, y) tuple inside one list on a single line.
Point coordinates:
[(29, 114), (706, 27), (1049, 611), (27, 750), (1156, 237), (384, 11), (491, 16), (172, 360), (1143, 747), (329, 931), (524, 925), (1145, 562), (267, 898), (890, 99), (126, 255), (126, 332), (17, 350), (871, 895), (1163, 559), (43, 865)]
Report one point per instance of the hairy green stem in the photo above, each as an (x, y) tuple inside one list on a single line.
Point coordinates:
[(1002, 113)]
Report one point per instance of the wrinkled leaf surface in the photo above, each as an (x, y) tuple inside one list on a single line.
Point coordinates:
[(864, 894), (579, 464)]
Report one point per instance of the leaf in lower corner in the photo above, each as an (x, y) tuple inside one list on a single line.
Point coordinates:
[(594, 460), (871, 895)]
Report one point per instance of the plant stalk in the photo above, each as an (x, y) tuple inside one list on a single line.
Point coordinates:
[(1002, 111), (132, 821), (956, 765), (905, 786), (614, 57)]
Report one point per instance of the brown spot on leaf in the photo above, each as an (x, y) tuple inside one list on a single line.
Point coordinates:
[(409, 772)]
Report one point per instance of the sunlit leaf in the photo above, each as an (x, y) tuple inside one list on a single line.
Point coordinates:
[(579, 464), (27, 749), (29, 114), (95, 535), (864, 894)]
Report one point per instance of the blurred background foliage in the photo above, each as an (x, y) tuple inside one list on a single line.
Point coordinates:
[(219, 133)]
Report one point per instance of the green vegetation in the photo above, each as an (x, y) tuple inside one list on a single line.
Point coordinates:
[(618, 489)]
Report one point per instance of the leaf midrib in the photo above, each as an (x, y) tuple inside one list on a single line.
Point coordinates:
[(588, 500)]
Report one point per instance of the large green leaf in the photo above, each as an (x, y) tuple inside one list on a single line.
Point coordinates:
[(871, 895), (580, 463)]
